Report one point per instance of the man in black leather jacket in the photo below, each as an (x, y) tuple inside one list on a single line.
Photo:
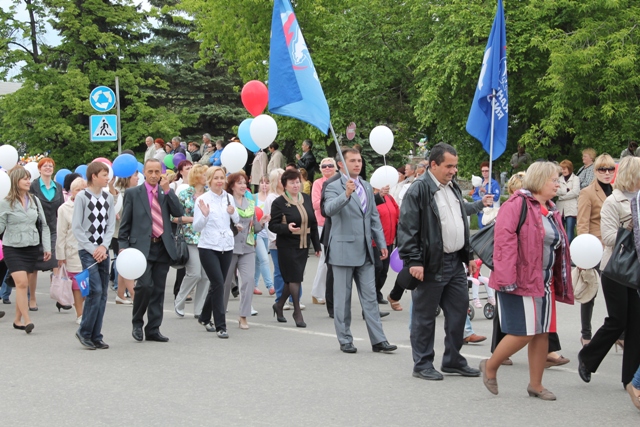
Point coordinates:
[(433, 241)]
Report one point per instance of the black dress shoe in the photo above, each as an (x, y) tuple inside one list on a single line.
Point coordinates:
[(584, 373), (384, 314), (157, 337), (465, 371), (430, 374), (331, 315), (101, 345), (6, 301), (2, 313), (348, 348), (383, 347), (137, 334), (85, 342), (381, 300)]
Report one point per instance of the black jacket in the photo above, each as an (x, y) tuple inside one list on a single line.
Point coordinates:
[(49, 208), (308, 162), (419, 230)]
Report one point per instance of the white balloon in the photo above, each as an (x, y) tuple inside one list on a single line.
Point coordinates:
[(8, 156), (234, 157), (32, 167), (263, 130), (119, 202), (383, 176), (586, 251), (131, 263), (476, 181), (381, 139), (5, 184)]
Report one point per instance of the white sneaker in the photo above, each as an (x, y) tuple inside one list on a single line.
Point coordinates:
[(123, 301), (79, 320), (302, 307), (254, 312), (287, 306)]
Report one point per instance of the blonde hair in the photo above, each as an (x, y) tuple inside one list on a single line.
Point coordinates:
[(590, 152), (77, 183), (604, 161), (274, 179), (211, 172), (538, 174), (195, 173), (628, 176), (329, 160), (515, 182), (15, 175)]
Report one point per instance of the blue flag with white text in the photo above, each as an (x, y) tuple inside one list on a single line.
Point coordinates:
[(294, 87), (493, 76)]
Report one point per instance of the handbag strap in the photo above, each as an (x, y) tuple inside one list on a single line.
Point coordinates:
[(523, 214)]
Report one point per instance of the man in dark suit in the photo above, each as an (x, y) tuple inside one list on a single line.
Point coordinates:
[(307, 160), (146, 226)]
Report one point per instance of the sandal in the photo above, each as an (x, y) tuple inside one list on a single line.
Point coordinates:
[(635, 395), (395, 305)]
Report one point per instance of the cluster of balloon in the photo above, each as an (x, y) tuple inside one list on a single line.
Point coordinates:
[(586, 251), (8, 159), (381, 140), (256, 133)]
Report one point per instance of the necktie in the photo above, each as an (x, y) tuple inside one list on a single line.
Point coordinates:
[(156, 215), (362, 195)]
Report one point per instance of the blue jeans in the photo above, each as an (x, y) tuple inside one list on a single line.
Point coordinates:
[(96, 302), (468, 330), (636, 380), (262, 262), (570, 226), (5, 291)]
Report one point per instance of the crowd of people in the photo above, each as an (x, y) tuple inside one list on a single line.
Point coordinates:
[(234, 223)]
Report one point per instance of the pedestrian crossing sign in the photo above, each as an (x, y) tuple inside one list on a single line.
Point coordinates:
[(104, 128)]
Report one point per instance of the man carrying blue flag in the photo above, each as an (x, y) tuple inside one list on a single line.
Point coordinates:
[(491, 93)]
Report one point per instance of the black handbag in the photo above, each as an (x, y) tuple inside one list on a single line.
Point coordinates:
[(233, 227), (482, 241), (182, 249), (623, 266)]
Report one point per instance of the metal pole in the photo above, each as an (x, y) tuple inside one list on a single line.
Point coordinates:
[(118, 119), (493, 118), (340, 158)]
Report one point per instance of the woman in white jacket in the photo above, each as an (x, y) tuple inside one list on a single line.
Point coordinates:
[(67, 245), (213, 212), (568, 198)]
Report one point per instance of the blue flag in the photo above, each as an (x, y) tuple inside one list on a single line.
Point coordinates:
[(82, 279), (294, 87), (493, 76)]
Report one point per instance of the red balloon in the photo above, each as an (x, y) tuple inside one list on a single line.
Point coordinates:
[(255, 97), (103, 160), (259, 213)]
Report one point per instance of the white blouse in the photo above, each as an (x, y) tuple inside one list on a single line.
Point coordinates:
[(214, 229)]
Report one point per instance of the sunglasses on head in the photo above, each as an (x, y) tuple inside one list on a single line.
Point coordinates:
[(326, 166), (603, 170)]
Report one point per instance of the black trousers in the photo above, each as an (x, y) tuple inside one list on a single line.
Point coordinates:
[(452, 295), (328, 294), (623, 308), (216, 265), (150, 290), (382, 269), (554, 339)]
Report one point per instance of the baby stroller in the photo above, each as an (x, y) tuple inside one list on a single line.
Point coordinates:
[(489, 308)]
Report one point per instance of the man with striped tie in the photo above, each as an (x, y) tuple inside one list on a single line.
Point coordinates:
[(146, 226), (355, 223)]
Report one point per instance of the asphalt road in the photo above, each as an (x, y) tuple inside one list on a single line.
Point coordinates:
[(279, 375)]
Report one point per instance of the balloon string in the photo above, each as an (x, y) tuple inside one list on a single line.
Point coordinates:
[(384, 157)]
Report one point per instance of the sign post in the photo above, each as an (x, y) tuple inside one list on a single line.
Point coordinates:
[(103, 127)]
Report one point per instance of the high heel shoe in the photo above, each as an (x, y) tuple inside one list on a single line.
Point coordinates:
[(299, 323), (584, 341), (620, 343), (279, 316), (64, 307), (243, 325), (19, 327)]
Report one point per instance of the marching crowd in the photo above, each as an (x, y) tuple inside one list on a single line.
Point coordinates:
[(232, 225)]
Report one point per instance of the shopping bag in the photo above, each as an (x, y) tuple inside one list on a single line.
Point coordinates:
[(61, 287), (83, 282)]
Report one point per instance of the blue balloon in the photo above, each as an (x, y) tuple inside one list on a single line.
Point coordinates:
[(62, 173), (124, 166), (140, 167), (245, 136), (82, 170)]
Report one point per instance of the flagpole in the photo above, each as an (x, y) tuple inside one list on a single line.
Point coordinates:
[(493, 118), (339, 149)]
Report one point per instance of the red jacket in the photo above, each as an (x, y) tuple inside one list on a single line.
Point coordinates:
[(517, 258), (389, 217)]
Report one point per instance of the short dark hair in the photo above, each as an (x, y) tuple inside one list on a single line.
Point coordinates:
[(274, 145), (95, 168), (128, 152), (438, 150), (633, 145), (69, 179), (290, 175), (484, 164), (308, 143)]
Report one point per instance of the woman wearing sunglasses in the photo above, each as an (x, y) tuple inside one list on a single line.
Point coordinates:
[(589, 205)]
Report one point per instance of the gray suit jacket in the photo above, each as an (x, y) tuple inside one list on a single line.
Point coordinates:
[(135, 228), (352, 230)]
